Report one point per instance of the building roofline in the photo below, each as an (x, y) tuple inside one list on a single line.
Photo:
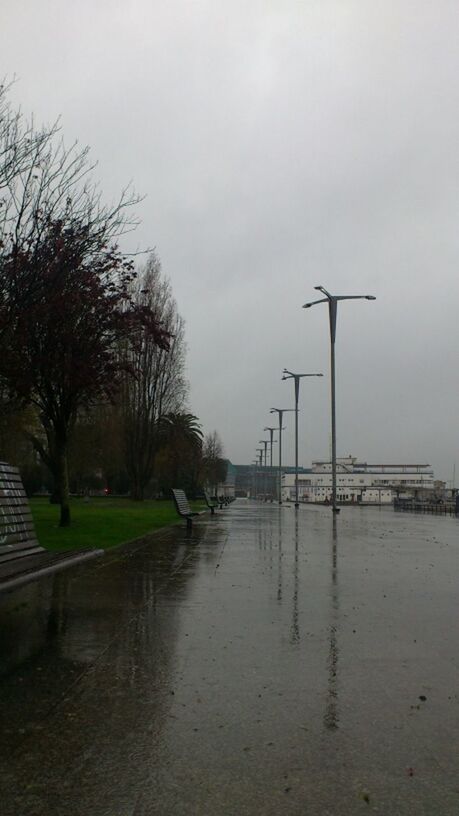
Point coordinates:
[(390, 464)]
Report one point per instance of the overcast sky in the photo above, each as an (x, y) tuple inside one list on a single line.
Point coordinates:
[(280, 145)]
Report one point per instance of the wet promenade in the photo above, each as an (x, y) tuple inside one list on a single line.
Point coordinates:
[(270, 664)]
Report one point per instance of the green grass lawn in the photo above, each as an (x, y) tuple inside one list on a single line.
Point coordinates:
[(101, 522)]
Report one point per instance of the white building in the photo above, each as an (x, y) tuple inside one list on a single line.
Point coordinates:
[(358, 482)]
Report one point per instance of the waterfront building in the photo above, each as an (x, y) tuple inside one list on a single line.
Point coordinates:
[(360, 482), (256, 481)]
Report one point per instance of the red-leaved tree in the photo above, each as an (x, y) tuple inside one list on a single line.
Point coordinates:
[(62, 351)]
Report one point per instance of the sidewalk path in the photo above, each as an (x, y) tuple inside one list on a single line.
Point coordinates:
[(271, 664)]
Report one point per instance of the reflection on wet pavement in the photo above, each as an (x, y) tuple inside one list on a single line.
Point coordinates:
[(331, 716), (277, 661)]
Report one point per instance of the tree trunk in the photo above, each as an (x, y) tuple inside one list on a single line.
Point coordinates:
[(137, 490), (49, 458), (63, 483)]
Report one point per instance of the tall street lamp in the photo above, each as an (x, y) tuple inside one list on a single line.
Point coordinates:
[(289, 375), (332, 301), (280, 412)]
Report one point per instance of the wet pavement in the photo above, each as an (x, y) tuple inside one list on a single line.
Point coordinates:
[(272, 663)]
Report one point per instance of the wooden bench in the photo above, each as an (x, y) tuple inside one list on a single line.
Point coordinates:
[(224, 501), (22, 559), (210, 504), (183, 508)]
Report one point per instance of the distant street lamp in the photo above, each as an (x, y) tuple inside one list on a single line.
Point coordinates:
[(271, 434), (280, 412), (260, 464), (332, 301), (265, 442), (288, 375), (254, 478)]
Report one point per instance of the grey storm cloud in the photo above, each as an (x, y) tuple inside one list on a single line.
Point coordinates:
[(279, 145)]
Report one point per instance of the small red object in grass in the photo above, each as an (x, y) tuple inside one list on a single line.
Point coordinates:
[(410, 771)]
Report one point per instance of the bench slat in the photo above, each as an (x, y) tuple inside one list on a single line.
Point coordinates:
[(15, 501), (8, 533), (16, 549), (7, 513), (17, 530), (14, 510), (10, 477), (17, 498)]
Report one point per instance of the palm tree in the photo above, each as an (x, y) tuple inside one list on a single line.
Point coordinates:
[(180, 450)]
